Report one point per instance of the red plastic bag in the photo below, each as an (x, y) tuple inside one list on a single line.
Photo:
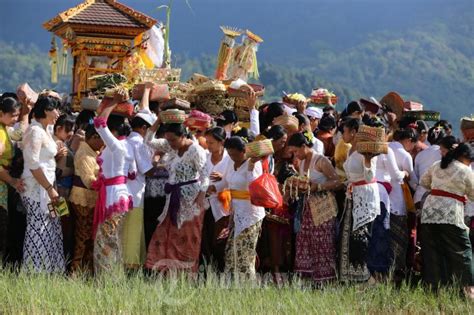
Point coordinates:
[(264, 191)]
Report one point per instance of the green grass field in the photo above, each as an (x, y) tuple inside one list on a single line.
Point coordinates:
[(137, 294)]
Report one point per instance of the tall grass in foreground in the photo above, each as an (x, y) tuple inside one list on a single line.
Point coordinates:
[(139, 294)]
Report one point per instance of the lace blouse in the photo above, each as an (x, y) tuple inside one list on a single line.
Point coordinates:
[(457, 179), (190, 166), (39, 150), (366, 198)]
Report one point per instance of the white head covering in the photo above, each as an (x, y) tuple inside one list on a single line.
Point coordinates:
[(314, 112), (147, 116)]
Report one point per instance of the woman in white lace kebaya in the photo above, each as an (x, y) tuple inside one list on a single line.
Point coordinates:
[(43, 246), (176, 242), (445, 243), (362, 207)]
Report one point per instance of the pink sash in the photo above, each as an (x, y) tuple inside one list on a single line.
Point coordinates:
[(100, 185)]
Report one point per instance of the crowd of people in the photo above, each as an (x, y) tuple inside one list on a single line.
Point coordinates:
[(144, 194)]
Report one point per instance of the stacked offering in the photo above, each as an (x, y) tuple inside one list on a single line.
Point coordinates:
[(320, 97), (293, 99)]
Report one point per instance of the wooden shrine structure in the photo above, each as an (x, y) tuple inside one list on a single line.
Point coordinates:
[(99, 34)]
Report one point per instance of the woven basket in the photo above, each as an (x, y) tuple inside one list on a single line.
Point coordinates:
[(198, 79), (425, 115), (372, 147), (173, 116), (259, 148), (214, 104), (210, 87), (176, 103), (373, 134), (123, 109), (161, 76), (158, 93), (290, 123), (258, 89), (467, 123), (241, 109), (183, 91)]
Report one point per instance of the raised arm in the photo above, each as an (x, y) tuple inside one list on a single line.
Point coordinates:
[(160, 145), (100, 123)]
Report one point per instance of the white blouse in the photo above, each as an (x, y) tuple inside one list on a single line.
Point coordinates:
[(366, 198), (39, 150), (115, 160), (457, 179), (216, 206), (423, 161), (404, 163), (244, 213), (469, 211), (142, 157), (386, 170), (318, 146), (190, 166)]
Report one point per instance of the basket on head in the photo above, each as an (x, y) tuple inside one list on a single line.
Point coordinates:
[(292, 100), (426, 115), (257, 88), (259, 148), (467, 123), (169, 76), (125, 108), (176, 103), (290, 123), (372, 147), (158, 93), (367, 133), (198, 120), (173, 116), (467, 128), (215, 103), (320, 95)]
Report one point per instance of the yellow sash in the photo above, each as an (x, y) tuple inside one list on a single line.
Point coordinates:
[(240, 194)]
